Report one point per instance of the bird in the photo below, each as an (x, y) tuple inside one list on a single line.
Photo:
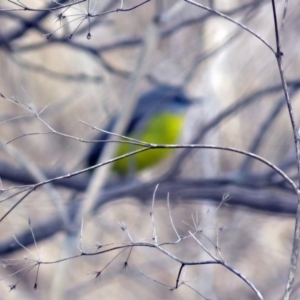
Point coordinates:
[(157, 118)]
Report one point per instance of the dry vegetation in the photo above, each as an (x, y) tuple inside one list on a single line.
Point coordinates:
[(220, 65)]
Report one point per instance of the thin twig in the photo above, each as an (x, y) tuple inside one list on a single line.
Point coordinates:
[(233, 21), (171, 218), (296, 240), (154, 236)]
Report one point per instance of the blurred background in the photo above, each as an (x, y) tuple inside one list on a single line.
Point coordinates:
[(72, 68)]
